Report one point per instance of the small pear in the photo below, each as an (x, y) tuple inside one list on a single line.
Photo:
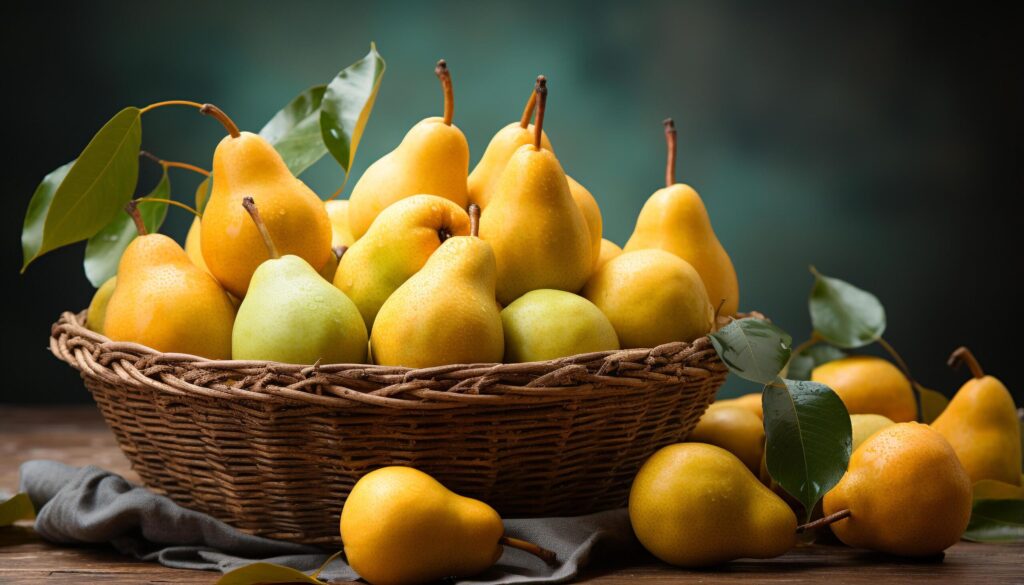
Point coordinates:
[(396, 246), (547, 324), (98, 306), (445, 313), (609, 250), (735, 429), (591, 214), (341, 233), (194, 246), (432, 158), (651, 297), (246, 165), (400, 526), (869, 385), (865, 425), (906, 492), (697, 505), (675, 219), (982, 426), (751, 402), (164, 301), (292, 315)]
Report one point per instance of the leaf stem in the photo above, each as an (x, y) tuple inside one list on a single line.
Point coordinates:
[(250, 206), (540, 89), (897, 358), (544, 554), (340, 189), (531, 103), (963, 355), (174, 164), (169, 202), (813, 340), (132, 209), (196, 105), (441, 70), (670, 141), (827, 520)]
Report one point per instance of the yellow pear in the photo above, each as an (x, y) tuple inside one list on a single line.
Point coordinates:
[(735, 429), (397, 245), (341, 233), (433, 158), (445, 313), (98, 306), (906, 492), (697, 505), (193, 244), (982, 426), (591, 214), (164, 301), (400, 526), (865, 425), (869, 385), (246, 165), (675, 219), (751, 402), (651, 297)]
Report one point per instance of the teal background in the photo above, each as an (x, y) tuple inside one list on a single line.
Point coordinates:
[(877, 147)]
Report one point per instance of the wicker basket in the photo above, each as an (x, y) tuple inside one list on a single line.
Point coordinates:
[(274, 449)]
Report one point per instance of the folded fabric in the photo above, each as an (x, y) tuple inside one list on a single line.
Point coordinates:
[(90, 505)]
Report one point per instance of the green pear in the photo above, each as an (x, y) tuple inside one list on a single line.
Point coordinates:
[(292, 315), (98, 306), (547, 324), (697, 505)]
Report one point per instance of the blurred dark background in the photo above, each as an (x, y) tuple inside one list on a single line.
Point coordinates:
[(880, 142)]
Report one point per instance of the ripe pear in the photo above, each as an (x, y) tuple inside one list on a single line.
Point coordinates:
[(98, 306), (865, 425), (675, 219), (445, 313), (735, 429), (432, 158), (547, 324), (751, 402), (164, 301), (194, 246), (246, 165), (651, 297), (397, 245), (869, 385), (697, 505), (401, 526), (341, 233), (609, 250), (292, 315), (906, 491), (982, 426), (591, 214)]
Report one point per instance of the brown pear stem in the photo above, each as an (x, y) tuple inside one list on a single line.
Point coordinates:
[(164, 104), (132, 209), (531, 104), (670, 141), (820, 522), (220, 116), (540, 90), (963, 355), (474, 220), (250, 206), (441, 70), (544, 554), (339, 251), (174, 164)]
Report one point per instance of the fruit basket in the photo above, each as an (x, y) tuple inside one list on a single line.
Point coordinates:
[(274, 449)]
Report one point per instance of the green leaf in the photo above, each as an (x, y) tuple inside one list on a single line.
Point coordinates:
[(95, 188), (295, 130), (801, 365), (996, 521), (347, 104), (103, 251), (808, 439), (35, 217), (753, 349), (843, 314), (203, 193), (16, 508)]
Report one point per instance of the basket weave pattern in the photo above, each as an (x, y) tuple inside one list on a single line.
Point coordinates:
[(274, 449)]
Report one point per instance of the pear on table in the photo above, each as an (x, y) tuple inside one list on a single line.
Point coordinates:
[(735, 429), (533, 209), (246, 165), (156, 277), (432, 158), (869, 385), (292, 315), (446, 312), (675, 219)]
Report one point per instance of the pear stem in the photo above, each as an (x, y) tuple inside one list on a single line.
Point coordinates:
[(196, 105), (441, 70), (670, 140), (132, 209), (820, 522), (540, 90), (474, 220), (544, 554), (963, 355), (339, 251), (220, 116), (174, 164), (531, 103), (250, 206)]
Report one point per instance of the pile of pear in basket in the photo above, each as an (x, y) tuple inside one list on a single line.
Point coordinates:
[(472, 325)]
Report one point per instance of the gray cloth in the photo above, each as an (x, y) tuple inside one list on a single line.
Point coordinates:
[(90, 505)]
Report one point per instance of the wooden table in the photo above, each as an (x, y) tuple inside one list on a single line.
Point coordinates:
[(78, 436)]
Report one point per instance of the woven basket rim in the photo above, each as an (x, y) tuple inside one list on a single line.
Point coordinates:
[(346, 385)]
